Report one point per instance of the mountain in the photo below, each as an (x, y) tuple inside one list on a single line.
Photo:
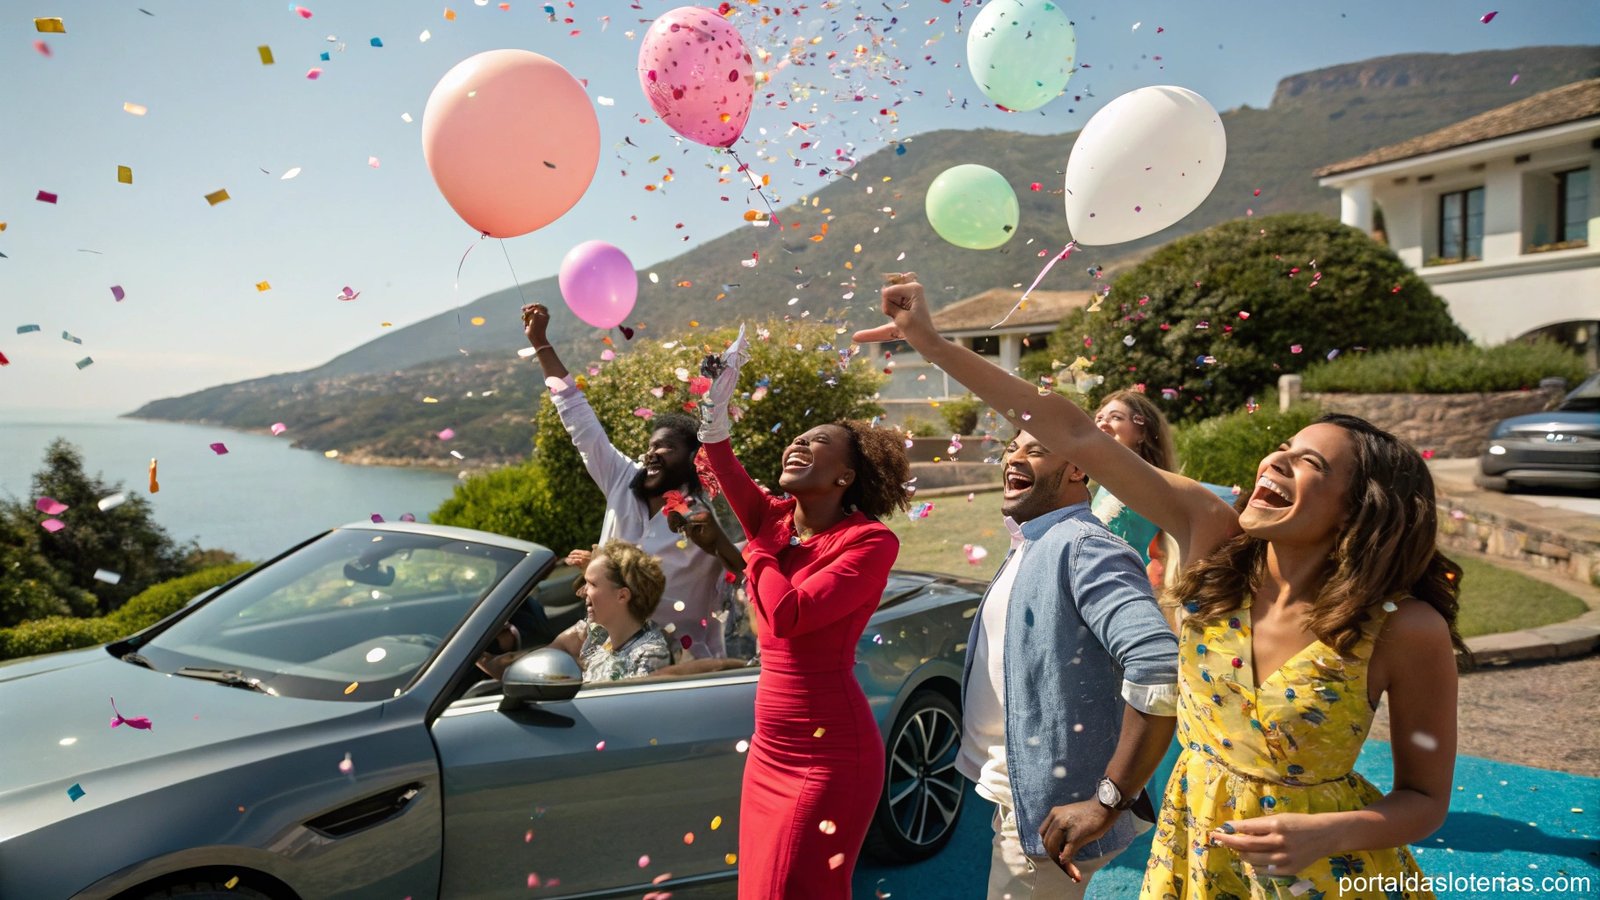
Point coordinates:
[(368, 402)]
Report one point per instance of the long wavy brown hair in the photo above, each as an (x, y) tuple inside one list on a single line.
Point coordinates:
[(1386, 550)]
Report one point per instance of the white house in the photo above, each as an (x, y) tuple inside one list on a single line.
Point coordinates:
[(1495, 212)]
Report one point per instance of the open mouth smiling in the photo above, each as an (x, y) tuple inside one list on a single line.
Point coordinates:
[(1270, 495)]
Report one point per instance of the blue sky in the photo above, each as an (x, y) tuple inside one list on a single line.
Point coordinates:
[(217, 118)]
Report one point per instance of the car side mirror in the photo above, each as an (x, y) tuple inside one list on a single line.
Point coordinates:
[(544, 675)]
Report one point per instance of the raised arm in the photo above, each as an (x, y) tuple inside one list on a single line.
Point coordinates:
[(608, 466), (1196, 518), (749, 502), (786, 609)]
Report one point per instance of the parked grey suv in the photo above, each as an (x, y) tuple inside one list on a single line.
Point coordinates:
[(318, 729), (1558, 448)]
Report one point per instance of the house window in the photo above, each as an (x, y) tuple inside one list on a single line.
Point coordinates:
[(1461, 225), (986, 345), (1572, 205)]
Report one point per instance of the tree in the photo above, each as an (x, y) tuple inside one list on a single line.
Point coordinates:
[(798, 375), (31, 588), (124, 539), (1212, 319)]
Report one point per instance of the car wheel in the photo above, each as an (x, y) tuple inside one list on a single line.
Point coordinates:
[(204, 890), (922, 791)]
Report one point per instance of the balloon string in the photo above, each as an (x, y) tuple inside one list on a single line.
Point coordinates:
[(514, 279), (757, 185), (457, 288), (1065, 252)]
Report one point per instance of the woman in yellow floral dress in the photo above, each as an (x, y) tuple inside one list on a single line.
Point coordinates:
[(1324, 593)]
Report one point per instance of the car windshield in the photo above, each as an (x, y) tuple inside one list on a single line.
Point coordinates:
[(1585, 397), (350, 616)]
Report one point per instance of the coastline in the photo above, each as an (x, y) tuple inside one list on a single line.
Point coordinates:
[(354, 457)]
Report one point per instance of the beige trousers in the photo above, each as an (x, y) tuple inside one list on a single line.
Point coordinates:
[(1014, 875)]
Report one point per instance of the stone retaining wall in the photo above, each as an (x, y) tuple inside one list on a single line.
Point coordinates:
[(1451, 425)]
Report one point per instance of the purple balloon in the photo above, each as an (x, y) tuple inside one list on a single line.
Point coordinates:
[(599, 284)]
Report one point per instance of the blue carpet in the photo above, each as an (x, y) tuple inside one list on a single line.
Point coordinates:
[(1505, 821)]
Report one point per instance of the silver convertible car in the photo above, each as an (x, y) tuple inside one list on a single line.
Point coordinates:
[(318, 728)]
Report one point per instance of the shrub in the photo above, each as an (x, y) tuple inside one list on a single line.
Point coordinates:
[(1212, 318), (793, 380), (917, 426), (1226, 449), (1447, 369), (57, 633), (961, 414)]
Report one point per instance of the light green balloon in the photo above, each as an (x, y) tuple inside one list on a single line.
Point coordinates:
[(972, 206), (1021, 52)]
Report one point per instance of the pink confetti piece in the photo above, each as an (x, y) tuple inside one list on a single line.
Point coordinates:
[(346, 765), (1514, 78), (314, 74), (117, 718), (1065, 252), (373, 162), (975, 554), (377, 518), (4, 361), (644, 412), (45, 197), (600, 746), (302, 12), (447, 434), (347, 294), (44, 50), (219, 448), (608, 355), (52, 525), (278, 428), (118, 292), (1488, 17), (836, 860), (408, 517), (50, 506)]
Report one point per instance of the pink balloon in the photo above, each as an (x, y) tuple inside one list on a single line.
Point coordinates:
[(599, 284), (511, 139), (696, 73)]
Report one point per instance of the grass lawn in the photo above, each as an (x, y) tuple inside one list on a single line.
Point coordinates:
[(1493, 599)]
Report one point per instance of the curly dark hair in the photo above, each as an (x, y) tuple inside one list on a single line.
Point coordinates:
[(882, 469), (685, 429)]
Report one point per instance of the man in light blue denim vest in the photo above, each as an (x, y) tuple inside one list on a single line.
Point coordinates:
[(1070, 686)]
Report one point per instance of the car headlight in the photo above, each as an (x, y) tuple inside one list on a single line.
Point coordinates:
[(1496, 450)]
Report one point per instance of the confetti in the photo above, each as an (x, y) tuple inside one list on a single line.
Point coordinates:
[(56, 26), (50, 506), (85, 363), (24, 329), (836, 860), (117, 718), (71, 338), (278, 428), (219, 448), (376, 42), (45, 197), (75, 792), (302, 12), (826, 826), (263, 286), (347, 294), (52, 525), (4, 361), (425, 36), (600, 746), (134, 109), (106, 575), (1486, 18), (373, 162), (289, 174), (346, 765), (118, 293), (155, 486), (447, 434), (975, 554), (313, 73), (266, 54), (216, 197)]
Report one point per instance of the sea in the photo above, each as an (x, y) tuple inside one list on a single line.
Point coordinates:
[(257, 499)]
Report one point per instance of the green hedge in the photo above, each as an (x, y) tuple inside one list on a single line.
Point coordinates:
[(57, 633), (1447, 369), (1226, 449)]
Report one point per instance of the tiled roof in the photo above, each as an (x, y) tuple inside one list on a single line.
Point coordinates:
[(1568, 103), (1043, 309)]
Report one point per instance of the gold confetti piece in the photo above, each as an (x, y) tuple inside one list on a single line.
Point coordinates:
[(231, 883), (730, 859), (349, 690), (331, 454), (50, 26), (387, 324), (134, 109), (477, 320), (124, 175), (449, 14), (2, 226), (430, 399), (716, 822), (819, 732), (216, 197), (263, 286), (266, 54)]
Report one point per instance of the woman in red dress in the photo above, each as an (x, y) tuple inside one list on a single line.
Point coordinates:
[(818, 560)]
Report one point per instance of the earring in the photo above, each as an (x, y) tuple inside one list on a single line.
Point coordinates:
[(841, 482)]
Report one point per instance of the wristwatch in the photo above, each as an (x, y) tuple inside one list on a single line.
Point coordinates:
[(1111, 797)]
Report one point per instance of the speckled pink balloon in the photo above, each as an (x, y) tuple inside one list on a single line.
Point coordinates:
[(696, 73)]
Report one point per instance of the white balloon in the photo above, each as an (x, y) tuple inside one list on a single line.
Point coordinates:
[(1146, 160), (1021, 52)]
